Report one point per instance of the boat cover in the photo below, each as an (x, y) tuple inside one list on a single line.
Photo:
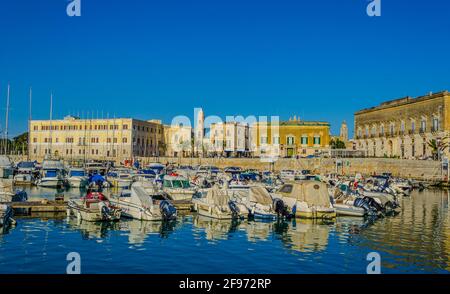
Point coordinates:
[(312, 192), (139, 196), (217, 196), (4, 161), (259, 195)]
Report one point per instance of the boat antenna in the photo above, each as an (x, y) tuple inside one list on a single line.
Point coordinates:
[(6, 122)]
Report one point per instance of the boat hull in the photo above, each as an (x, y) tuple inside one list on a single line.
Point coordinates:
[(50, 182), (130, 210), (91, 214), (77, 182), (346, 210)]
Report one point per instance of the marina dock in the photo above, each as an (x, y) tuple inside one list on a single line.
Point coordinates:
[(32, 207)]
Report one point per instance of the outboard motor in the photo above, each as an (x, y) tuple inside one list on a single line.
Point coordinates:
[(168, 211), (280, 208), (234, 209), (106, 213)]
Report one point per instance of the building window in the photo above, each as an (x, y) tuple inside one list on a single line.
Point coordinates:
[(276, 140), (423, 126), (317, 140), (413, 127), (382, 130), (124, 140), (435, 124), (304, 140), (290, 140), (263, 140)]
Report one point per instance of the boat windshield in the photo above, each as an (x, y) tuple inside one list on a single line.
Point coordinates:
[(50, 174), (185, 184), (25, 164), (77, 173)]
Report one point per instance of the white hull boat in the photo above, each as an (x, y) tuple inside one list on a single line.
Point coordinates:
[(138, 204), (93, 208), (217, 204)]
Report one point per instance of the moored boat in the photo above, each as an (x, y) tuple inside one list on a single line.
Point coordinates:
[(94, 207), (307, 199), (136, 203)]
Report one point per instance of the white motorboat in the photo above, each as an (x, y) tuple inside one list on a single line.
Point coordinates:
[(52, 174), (120, 178), (77, 178), (138, 204), (307, 199), (94, 207), (218, 204), (178, 188), (26, 173)]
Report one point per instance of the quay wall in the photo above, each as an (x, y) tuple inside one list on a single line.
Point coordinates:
[(415, 169), (426, 170)]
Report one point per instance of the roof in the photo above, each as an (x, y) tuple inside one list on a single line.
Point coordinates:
[(403, 101)]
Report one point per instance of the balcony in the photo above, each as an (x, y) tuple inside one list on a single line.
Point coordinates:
[(422, 131)]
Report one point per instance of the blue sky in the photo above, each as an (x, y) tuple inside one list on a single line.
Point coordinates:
[(321, 60)]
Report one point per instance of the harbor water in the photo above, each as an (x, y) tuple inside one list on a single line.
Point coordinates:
[(415, 241)]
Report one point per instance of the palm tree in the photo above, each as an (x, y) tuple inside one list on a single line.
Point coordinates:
[(438, 147)]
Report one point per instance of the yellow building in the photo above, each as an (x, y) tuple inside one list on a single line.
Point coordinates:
[(290, 138), (74, 138), (404, 127)]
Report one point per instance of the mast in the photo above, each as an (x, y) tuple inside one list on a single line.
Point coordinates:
[(6, 123), (29, 126), (51, 126)]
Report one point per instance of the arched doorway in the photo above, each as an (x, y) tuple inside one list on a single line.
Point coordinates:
[(390, 148)]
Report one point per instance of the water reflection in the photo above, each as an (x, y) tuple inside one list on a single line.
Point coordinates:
[(416, 240), (136, 230), (215, 229), (306, 235)]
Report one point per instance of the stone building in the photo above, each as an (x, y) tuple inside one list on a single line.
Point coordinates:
[(178, 140), (115, 138), (230, 139), (403, 127)]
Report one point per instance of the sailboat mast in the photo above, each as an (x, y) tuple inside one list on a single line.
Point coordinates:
[(6, 123), (29, 126), (51, 127)]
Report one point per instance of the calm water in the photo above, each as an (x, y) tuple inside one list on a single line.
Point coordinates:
[(415, 241)]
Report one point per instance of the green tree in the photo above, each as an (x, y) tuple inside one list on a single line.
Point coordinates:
[(337, 144), (438, 146)]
